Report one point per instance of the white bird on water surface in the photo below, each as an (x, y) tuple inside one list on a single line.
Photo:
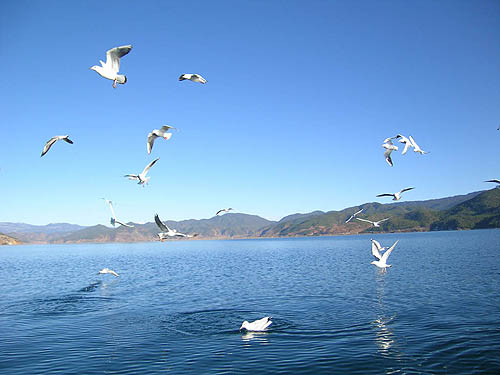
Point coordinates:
[(376, 224), (396, 196), (113, 220), (141, 177), (107, 270), (166, 231), (53, 140), (258, 325), (354, 215), (381, 261), (405, 141), (111, 68), (224, 210), (155, 133), (417, 147), (389, 147), (193, 77)]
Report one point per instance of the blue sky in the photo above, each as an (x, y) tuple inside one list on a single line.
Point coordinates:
[(299, 97)]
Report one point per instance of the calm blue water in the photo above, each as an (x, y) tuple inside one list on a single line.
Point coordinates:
[(177, 306)]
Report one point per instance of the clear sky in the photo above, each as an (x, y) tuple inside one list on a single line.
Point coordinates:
[(300, 95)]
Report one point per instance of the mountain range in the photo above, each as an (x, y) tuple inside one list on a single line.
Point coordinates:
[(471, 211)]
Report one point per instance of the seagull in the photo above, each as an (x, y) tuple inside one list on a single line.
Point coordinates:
[(376, 224), (495, 181), (376, 249), (142, 176), (354, 215), (389, 147), (224, 210), (417, 147), (53, 140), (113, 220), (258, 325), (381, 261), (110, 69), (155, 133), (107, 270), (406, 142), (396, 196), (193, 77), (167, 232)]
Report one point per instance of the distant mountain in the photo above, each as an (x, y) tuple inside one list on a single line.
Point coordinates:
[(7, 240), (440, 203), (47, 229), (300, 216)]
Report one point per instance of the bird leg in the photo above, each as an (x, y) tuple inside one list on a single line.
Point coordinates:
[(114, 83)]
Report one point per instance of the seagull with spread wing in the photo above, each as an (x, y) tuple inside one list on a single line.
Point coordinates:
[(141, 177), (224, 210), (405, 141), (494, 181), (113, 220), (193, 77), (53, 140), (376, 224), (155, 133), (111, 67), (396, 196), (389, 147), (107, 270), (381, 261), (166, 231), (417, 147)]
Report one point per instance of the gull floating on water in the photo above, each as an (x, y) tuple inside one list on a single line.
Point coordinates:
[(417, 147), (107, 270), (377, 248), (376, 224), (258, 325), (193, 77), (389, 147), (166, 231), (494, 181), (224, 210), (113, 220), (406, 141), (110, 69), (396, 196), (53, 140), (381, 261), (141, 177), (162, 132), (354, 215)]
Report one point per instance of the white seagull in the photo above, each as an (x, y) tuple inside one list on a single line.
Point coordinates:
[(376, 224), (107, 270), (113, 220), (354, 215), (376, 248), (155, 133), (110, 69), (396, 196), (389, 147), (381, 261), (417, 147), (258, 325), (193, 77), (53, 140), (406, 141), (494, 181), (224, 210), (141, 177), (166, 231)]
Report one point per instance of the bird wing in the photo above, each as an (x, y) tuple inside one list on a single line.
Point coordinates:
[(149, 166), (367, 221), (113, 57), (385, 195), (113, 273), (388, 252), (388, 140), (49, 144), (376, 250), (162, 226), (405, 189), (132, 176), (414, 144), (494, 180), (151, 140), (407, 143), (166, 127), (380, 221), (111, 207), (218, 212), (66, 138), (357, 213), (183, 77), (348, 220), (123, 224), (387, 155)]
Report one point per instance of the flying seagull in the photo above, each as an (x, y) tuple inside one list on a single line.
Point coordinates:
[(193, 77), (224, 210), (166, 231), (354, 215), (389, 147), (110, 69), (113, 220), (495, 181), (381, 261), (107, 270), (141, 177), (53, 140), (376, 224), (258, 325), (417, 147), (396, 196), (376, 249), (406, 141), (155, 133)]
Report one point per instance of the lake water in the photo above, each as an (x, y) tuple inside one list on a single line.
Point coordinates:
[(177, 306)]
